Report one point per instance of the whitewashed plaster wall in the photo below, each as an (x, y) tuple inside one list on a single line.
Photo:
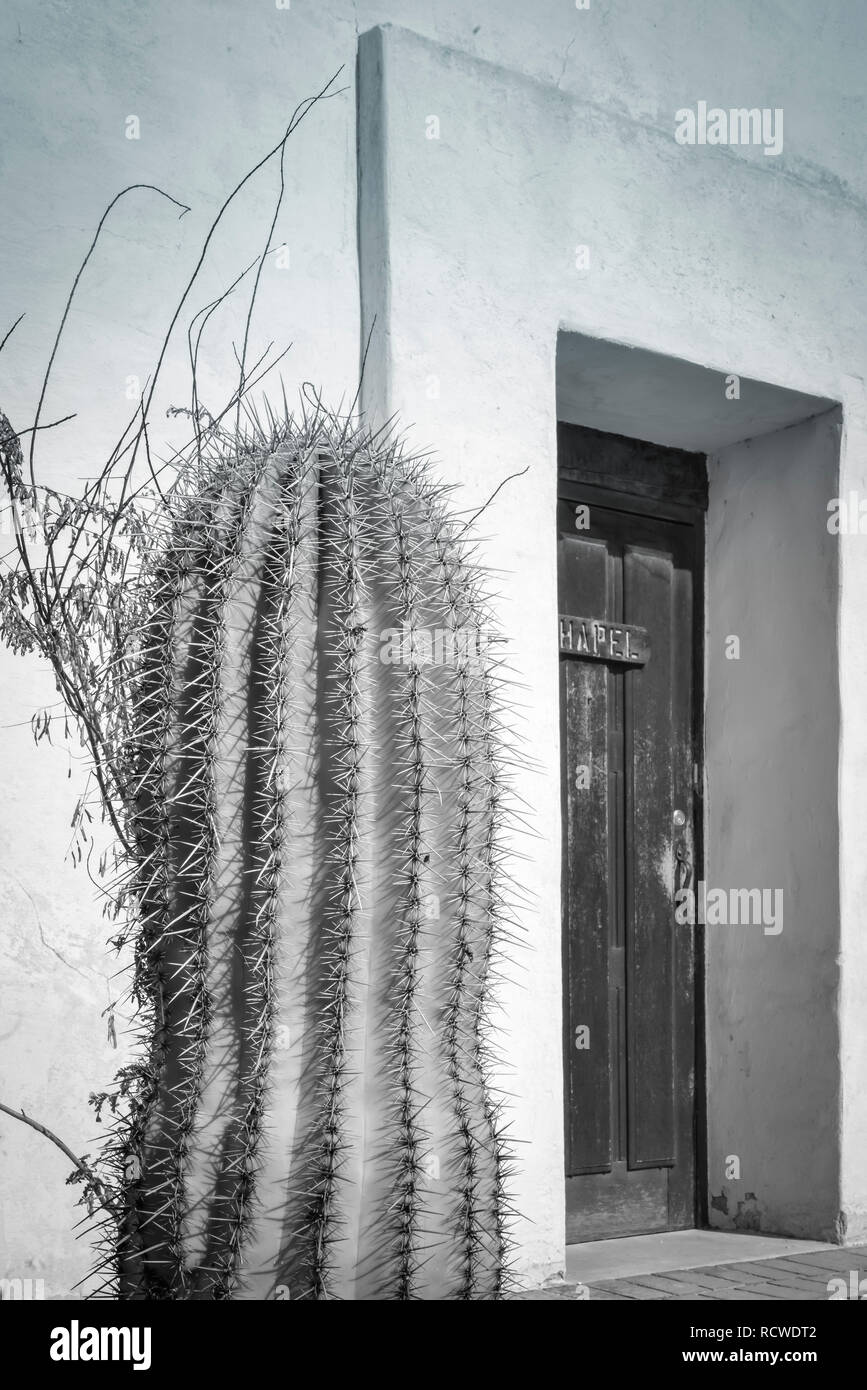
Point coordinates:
[(718, 255), (721, 257), (774, 1114)]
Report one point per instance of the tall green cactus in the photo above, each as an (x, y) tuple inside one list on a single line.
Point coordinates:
[(315, 810)]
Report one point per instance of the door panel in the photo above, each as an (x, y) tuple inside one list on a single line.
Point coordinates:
[(627, 739), (648, 580), (588, 1131)]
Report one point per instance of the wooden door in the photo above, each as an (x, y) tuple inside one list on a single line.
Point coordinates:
[(628, 611)]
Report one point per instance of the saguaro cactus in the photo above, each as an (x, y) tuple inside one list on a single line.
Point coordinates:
[(315, 809)]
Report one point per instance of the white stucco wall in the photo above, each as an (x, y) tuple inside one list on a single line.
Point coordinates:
[(208, 110), (692, 255), (771, 745), (714, 255)]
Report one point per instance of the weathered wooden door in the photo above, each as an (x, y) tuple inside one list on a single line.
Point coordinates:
[(627, 599)]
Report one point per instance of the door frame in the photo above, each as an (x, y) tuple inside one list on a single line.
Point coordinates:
[(638, 478)]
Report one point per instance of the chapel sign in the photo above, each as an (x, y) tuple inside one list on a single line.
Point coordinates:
[(597, 640)]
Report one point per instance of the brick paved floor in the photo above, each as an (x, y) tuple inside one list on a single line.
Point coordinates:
[(802, 1278)]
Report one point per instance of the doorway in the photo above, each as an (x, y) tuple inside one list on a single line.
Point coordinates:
[(630, 525)]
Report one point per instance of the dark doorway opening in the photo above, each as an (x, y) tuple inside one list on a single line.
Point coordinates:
[(630, 523)]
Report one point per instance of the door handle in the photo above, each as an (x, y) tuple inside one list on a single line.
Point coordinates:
[(682, 866)]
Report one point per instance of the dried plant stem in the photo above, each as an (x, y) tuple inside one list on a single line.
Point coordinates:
[(93, 1181)]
